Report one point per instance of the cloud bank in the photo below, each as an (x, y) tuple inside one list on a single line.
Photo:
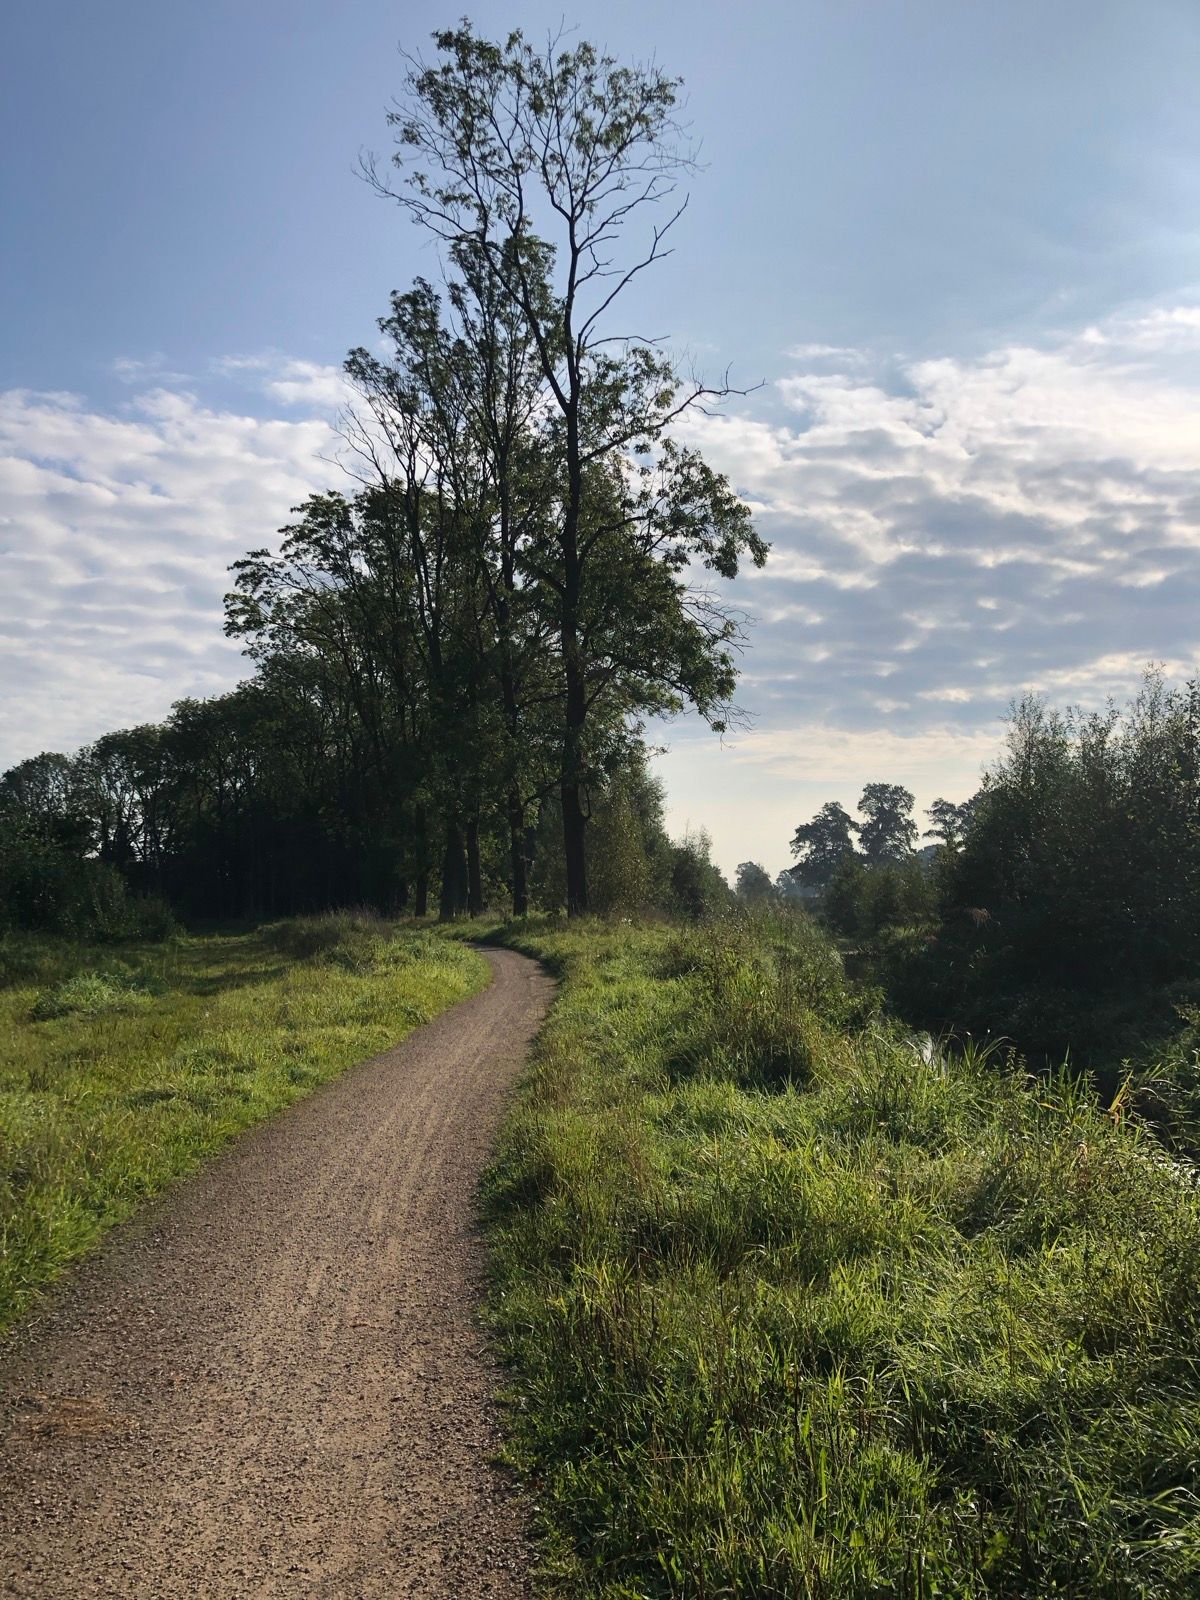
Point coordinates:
[(115, 535), (946, 534)]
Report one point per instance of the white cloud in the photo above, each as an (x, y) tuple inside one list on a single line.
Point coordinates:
[(827, 352), (963, 529), (947, 533), (323, 389), (153, 368), (115, 539)]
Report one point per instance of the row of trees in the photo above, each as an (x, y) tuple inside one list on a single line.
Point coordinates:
[(1060, 905), (241, 807), (887, 833), (467, 642), (253, 803), (865, 874)]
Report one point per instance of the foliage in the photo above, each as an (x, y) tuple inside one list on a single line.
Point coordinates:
[(753, 884), (697, 885), (533, 168), (889, 833), (796, 1309), (1068, 916), (1085, 845), (122, 1066), (822, 845), (628, 851), (863, 891), (951, 821), (862, 902), (47, 881)]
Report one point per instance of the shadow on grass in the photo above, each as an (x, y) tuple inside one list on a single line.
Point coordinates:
[(209, 984)]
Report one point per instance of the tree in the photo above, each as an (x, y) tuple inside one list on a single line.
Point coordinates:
[(629, 853), (51, 877), (382, 594), (697, 885), (448, 415), (46, 790), (822, 845), (499, 141), (950, 822), (788, 889), (753, 885), (889, 833), (1084, 846), (841, 902)]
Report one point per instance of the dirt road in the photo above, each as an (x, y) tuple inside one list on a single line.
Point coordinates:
[(272, 1383)]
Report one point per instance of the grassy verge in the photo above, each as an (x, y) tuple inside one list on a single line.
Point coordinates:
[(121, 1068), (795, 1311)]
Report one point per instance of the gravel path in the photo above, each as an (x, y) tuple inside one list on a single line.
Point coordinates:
[(272, 1382)]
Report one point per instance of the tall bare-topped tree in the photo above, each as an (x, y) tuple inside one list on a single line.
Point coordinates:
[(541, 168)]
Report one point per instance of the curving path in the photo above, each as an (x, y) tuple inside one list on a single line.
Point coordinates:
[(272, 1382)]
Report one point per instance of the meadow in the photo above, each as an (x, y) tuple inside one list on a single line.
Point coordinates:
[(798, 1305), (122, 1067)]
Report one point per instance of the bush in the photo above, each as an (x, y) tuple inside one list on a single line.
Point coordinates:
[(44, 888), (353, 937), (697, 885), (90, 994), (863, 902), (1069, 918)]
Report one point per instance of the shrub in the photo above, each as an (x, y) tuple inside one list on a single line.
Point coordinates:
[(355, 936), (89, 994)]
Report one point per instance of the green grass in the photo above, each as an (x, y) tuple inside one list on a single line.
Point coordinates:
[(122, 1068), (792, 1311)]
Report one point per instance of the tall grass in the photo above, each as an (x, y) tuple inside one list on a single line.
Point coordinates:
[(122, 1067), (797, 1309)]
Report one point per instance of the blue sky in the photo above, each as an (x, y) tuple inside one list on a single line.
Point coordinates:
[(959, 243)]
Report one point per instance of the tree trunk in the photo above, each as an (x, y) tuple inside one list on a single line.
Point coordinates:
[(421, 886), (474, 874), (572, 598), (573, 848), (454, 873), (573, 820), (519, 866)]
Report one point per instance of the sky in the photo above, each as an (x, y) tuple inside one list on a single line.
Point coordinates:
[(957, 247)]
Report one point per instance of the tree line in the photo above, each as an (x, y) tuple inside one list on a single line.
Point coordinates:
[(247, 807), (863, 874), (1057, 907), (462, 647)]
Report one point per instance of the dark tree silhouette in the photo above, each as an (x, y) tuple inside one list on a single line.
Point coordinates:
[(536, 167), (821, 845), (889, 833), (753, 884)]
